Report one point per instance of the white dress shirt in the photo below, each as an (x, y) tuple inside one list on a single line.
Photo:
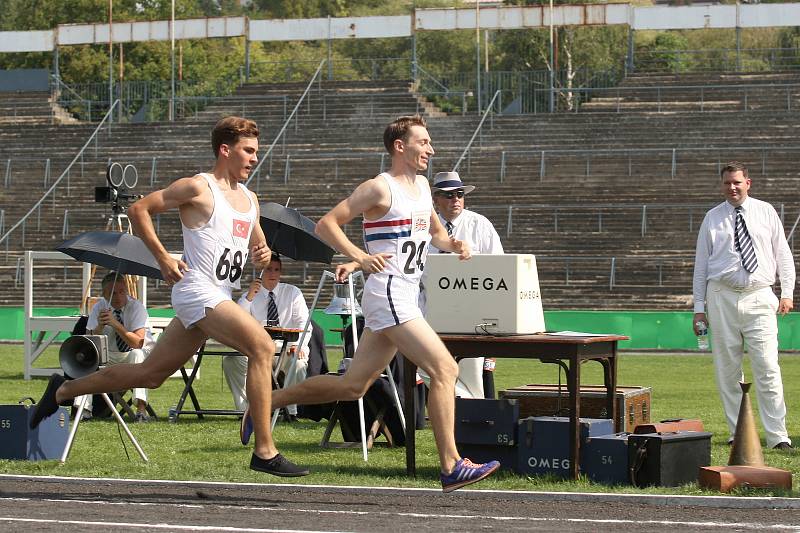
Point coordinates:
[(134, 316), (292, 308), (476, 230), (716, 257)]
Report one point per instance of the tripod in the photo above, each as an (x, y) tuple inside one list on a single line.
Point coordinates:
[(74, 429), (351, 291)]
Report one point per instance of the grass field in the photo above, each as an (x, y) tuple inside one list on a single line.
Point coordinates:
[(683, 386)]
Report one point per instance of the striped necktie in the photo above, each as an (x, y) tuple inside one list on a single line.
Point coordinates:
[(449, 227), (272, 311), (744, 245), (122, 346)]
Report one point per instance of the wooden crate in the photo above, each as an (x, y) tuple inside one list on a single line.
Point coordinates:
[(633, 403)]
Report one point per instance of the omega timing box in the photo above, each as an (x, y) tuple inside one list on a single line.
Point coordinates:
[(499, 290), (543, 446), (18, 441)]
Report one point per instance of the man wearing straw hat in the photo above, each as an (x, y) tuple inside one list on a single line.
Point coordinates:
[(449, 198)]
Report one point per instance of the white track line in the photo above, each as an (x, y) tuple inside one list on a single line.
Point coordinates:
[(171, 527), (388, 514)]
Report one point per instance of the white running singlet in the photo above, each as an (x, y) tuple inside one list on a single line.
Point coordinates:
[(220, 247), (404, 231)]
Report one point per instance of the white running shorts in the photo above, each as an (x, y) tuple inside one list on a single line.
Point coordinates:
[(388, 301), (193, 294)]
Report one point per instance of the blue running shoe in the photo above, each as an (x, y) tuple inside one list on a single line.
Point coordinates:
[(467, 472), (246, 427)]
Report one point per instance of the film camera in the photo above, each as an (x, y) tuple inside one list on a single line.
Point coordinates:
[(120, 180)]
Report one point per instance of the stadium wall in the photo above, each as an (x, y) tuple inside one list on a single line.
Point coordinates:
[(648, 330)]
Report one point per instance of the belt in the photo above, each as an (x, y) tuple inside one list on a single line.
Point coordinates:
[(740, 289)]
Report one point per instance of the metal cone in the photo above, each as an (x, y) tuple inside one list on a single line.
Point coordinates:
[(746, 447)]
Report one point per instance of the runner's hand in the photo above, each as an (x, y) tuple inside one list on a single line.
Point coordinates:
[(461, 248), (261, 255), (372, 264), (172, 270)]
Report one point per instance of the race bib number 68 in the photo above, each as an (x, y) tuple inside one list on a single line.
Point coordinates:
[(229, 265)]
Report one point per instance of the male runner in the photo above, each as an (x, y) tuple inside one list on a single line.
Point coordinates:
[(220, 223), (399, 223)]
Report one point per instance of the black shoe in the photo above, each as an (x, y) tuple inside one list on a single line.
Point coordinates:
[(784, 447), (277, 466), (47, 404), (286, 416)]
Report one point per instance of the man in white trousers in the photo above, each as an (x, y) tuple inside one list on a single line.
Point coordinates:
[(741, 248), (449, 198)]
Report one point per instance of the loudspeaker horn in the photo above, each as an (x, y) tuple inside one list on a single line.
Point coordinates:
[(746, 447), (80, 355)]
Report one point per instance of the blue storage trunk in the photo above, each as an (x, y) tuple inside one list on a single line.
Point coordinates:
[(486, 422), (18, 441), (604, 459), (544, 442)]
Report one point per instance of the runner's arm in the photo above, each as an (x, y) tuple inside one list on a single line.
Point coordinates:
[(366, 197), (140, 213), (447, 243), (260, 253)]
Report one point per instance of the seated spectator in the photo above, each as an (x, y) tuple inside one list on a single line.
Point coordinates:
[(123, 320), (273, 304)]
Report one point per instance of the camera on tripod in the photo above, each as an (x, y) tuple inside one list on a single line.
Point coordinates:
[(120, 180)]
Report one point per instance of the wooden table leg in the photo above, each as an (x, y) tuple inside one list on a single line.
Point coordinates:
[(409, 381), (612, 387), (574, 384)]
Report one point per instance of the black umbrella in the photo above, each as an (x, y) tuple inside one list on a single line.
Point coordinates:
[(123, 252), (291, 234)]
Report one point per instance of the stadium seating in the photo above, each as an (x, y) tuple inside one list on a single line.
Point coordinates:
[(624, 188)]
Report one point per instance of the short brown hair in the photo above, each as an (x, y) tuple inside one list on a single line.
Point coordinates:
[(229, 130), (399, 128), (111, 278), (733, 166)]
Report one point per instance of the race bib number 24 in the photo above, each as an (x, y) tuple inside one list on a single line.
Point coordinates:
[(412, 252)]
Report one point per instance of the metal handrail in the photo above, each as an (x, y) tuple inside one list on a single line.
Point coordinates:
[(60, 84), (63, 174), (286, 124), (432, 78), (489, 109)]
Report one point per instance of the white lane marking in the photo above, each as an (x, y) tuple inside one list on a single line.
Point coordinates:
[(745, 525), (171, 527), (719, 502)]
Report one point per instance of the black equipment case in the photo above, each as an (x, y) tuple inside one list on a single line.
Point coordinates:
[(668, 459)]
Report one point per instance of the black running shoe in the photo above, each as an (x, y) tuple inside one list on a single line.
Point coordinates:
[(47, 405), (277, 466)]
